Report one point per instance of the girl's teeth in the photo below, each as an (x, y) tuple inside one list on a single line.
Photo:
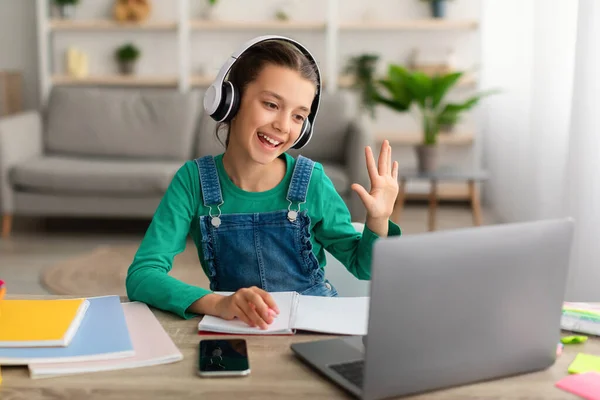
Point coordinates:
[(273, 142)]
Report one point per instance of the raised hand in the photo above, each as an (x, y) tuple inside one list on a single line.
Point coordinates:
[(379, 201)]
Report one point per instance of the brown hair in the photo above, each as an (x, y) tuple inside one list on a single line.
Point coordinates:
[(277, 52)]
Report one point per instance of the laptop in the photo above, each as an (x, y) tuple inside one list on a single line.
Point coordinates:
[(454, 307)]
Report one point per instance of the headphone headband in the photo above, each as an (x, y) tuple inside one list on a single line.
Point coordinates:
[(213, 97)]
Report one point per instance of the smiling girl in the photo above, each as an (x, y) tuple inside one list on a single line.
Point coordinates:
[(261, 220)]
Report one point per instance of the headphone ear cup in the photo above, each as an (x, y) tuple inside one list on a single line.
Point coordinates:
[(235, 103), (229, 103), (305, 135)]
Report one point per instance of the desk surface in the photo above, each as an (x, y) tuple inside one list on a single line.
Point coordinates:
[(276, 374)]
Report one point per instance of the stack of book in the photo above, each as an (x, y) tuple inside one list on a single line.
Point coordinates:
[(581, 317), (73, 336)]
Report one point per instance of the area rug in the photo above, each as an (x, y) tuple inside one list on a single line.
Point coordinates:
[(103, 271)]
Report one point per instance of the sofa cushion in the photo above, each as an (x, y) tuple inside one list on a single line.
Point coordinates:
[(76, 175), (338, 176), (156, 124)]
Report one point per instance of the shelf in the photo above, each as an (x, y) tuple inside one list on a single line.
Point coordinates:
[(247, 25), (107, 25), (201, 80), (421, 24), (117, 80), (345, 81), (451, 138)]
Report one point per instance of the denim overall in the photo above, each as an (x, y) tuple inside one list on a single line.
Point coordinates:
[(270, 250)]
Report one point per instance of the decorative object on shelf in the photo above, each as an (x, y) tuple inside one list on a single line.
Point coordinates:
[(66, 8), (362, 70), (406, 87), (208, 11), (132, 10), (127, 56), (281, 15), (11, 92), (430, 63), (438, 8), (77, 63), (285, 10)]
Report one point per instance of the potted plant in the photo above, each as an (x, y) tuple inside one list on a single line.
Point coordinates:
[(208, 10), (438, 8), (66, 8), (405, 88), (126, 56), (362, 70)]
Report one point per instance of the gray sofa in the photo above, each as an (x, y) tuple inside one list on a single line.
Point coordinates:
[(105, 152)]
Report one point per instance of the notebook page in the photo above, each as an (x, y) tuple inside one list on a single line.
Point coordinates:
[(335, 315), (281, 324)]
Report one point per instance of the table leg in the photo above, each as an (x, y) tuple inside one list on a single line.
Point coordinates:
[(475, 203), (399, 204), (432, 204)]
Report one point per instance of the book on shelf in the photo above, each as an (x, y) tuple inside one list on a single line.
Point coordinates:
[(40, 323), (103, 334), (151, 344), (330, 315)]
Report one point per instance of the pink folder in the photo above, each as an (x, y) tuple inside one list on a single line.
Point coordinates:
[(151, 344), (586, 385)]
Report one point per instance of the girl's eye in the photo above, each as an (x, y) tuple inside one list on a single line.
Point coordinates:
[(300, 118), (270, 105)]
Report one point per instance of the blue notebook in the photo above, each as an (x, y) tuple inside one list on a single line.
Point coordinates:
[(102, 335)]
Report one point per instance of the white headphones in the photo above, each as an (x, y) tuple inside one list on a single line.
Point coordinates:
[(222, 98)]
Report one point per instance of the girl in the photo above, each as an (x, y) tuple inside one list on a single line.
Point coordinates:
[(260, 219)]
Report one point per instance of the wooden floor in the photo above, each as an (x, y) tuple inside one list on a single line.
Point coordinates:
[(36, 244)]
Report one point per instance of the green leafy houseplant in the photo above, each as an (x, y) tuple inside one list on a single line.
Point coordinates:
[(362, 68), (405, 88), (127, 55)]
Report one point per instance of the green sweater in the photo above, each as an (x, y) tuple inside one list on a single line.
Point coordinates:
[(177, 216)]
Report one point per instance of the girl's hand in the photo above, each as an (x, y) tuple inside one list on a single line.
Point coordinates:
[(252, 305), (379, 202)]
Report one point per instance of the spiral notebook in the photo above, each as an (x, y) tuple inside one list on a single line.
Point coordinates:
[(331, 315)]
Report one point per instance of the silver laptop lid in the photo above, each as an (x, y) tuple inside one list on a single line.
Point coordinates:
[(455, 307)]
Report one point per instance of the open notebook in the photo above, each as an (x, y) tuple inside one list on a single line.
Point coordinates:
[(333, 315)]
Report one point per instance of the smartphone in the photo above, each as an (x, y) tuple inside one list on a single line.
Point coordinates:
[(223, 357)]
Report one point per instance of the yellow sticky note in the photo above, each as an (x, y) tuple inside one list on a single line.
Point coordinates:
[(584, 363)]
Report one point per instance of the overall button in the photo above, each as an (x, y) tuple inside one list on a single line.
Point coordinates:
[(327, 285)]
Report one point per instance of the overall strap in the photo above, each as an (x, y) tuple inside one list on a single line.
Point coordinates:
[(300, 180), (209, 181)]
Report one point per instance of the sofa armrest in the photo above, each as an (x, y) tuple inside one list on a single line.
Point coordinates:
[(20, 139), (359, 136)]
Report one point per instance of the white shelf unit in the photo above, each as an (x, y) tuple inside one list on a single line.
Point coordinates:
[(185, 24)]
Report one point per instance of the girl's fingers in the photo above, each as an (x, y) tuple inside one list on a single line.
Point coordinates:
[(371, 166), (383, 158)]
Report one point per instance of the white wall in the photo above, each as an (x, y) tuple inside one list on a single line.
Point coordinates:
[(18, 48)]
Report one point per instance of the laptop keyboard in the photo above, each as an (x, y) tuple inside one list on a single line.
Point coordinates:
[(352, 371)]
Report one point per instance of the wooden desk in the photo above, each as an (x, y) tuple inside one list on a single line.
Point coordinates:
[(276, 374)]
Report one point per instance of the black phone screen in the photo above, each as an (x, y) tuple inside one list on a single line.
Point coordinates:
[(223, 355)]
